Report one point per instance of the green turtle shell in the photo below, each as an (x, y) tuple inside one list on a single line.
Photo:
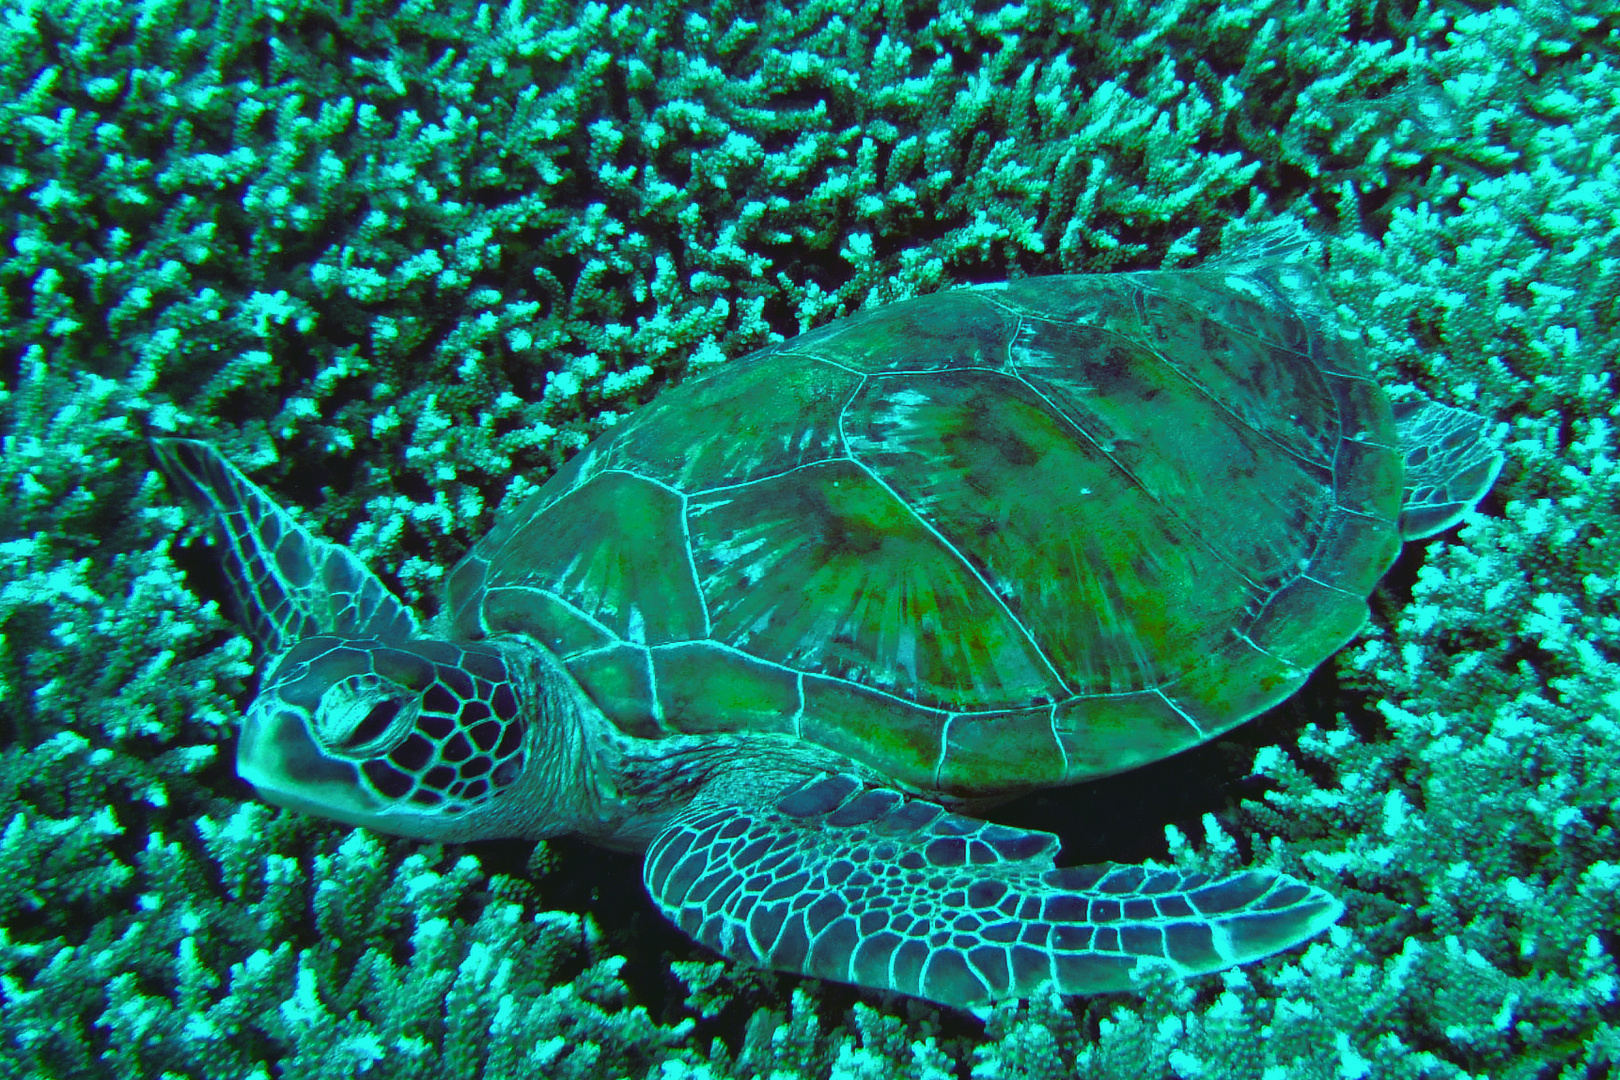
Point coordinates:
[(982, 541)]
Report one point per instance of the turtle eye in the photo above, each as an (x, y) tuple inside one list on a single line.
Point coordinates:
[(375, 724), (357, 713)]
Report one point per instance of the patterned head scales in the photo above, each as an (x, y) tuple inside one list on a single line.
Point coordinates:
[(383, 735)]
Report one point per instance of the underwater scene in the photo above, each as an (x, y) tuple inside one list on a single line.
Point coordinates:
[(305, 301)]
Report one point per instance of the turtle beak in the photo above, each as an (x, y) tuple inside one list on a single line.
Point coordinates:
[(283, 762), (279, 758)]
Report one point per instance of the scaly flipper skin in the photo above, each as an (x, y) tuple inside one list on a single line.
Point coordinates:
[(866, 885), (288, 584), (1449, 462)]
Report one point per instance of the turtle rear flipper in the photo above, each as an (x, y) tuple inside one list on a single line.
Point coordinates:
[(869, 886), (1449, 465), (287, 583)]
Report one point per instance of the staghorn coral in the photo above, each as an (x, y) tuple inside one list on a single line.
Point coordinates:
[(400, 260)]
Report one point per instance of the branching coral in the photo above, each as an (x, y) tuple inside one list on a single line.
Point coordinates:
[(400, 260)]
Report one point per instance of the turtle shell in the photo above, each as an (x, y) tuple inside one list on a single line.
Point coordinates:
[(981, 541)]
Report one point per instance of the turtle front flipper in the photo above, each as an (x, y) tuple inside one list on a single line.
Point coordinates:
[(287, 583), (869, 886), (1449, 465)]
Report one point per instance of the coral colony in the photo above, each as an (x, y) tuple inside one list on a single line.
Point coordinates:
[(400, 263)]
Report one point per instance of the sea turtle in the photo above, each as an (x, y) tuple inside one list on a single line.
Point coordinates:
[(785, 628)]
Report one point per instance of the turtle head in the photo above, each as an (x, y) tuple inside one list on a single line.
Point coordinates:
[(414, 738), (360, 717)]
